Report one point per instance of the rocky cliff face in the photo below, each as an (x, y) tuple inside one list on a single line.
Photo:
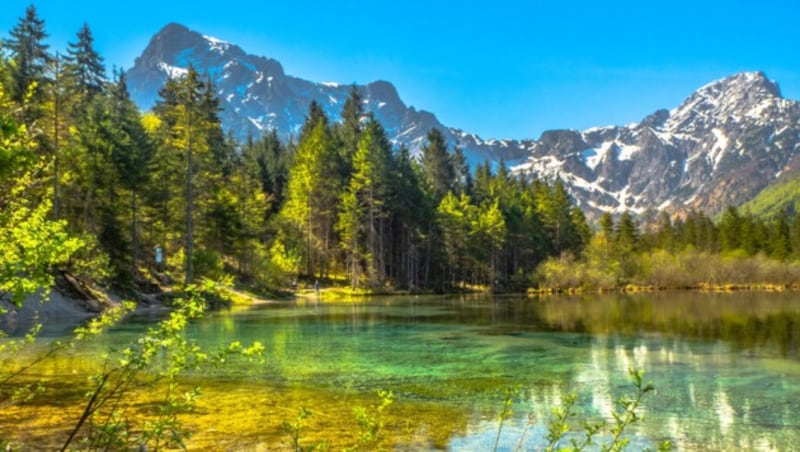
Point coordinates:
[(725, 143), (257, 95)]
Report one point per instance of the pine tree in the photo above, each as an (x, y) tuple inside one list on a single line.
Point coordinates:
[(315, 117), (730, 230), (410, 211), (221, 147), (752, 235), (437, 165), (481, 186), (580, 229), (606, 225), (598, 252), (85, 166), (268, 161), (164, 200), (312, 192), (665, 232), (463, 178), (349, 130), (252, 216), (29, 72), (491, 232), (350, 227), (363, 216), (626, 244), (59, 103), (457, 218), (131, 153), (626, 234), (531, 233), (555, 204), (192, 138), (84, 66), (779, 242)]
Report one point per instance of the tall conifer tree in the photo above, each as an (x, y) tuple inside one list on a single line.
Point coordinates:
[(363, 216), (84, 66), (27, 48), (437, 166), (313, 191)]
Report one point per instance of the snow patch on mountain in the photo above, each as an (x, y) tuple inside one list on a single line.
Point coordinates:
[(719, 147), (722, 145), (253, 86), (217, 45), (172, 71)]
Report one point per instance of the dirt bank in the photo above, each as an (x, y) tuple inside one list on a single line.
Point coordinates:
[(56, 312)]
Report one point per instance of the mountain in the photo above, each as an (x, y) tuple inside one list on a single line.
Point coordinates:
[(257, 95), (723, 145)]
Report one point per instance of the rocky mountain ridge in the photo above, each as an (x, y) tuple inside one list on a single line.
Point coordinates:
[(723, 145), (257, 95)]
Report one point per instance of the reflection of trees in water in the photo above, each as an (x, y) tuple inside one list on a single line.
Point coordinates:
[(746, 320), (708, 397), (448, 360)]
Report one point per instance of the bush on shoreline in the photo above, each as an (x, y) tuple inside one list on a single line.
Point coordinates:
[(661, 269)]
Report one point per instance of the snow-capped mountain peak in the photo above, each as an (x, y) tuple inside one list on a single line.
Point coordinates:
[(722, 145), (731, 99), (257, 95), (725, 143)]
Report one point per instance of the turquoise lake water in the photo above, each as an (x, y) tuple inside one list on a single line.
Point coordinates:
[(726, 367)]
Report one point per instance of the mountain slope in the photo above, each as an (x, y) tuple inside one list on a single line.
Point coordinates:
[(725, 143), (775, 200), (257, 95)]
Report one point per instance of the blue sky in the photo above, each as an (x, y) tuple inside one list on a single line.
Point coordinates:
[(503, 69)]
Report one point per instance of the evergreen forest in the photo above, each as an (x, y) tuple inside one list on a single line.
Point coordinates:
[(165, 207), (91, 187)]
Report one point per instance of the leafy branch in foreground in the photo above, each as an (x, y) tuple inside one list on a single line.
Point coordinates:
[(293, 430), (371, 423), (624, 415), (508, 401), (10, 349), (627, 415), (155, 360)]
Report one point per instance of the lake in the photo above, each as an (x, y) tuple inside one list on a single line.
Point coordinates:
[(726, 369)]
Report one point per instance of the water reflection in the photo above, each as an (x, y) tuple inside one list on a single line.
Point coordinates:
[(763, 322), (726, 367), (719, 362)]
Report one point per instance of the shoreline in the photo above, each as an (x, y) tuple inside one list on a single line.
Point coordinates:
[(61, 312), (700, 288)]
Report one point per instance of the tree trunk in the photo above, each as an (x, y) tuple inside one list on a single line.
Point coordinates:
[(189, 209), (134, 242), (56, 126)]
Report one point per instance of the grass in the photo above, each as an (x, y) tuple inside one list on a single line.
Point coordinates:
[(774, 199)]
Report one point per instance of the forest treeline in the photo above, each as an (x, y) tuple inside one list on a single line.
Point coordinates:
[(338, 199), (735, 251), (91, 184)]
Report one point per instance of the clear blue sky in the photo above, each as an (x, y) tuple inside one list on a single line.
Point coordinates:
[(504, 69)]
